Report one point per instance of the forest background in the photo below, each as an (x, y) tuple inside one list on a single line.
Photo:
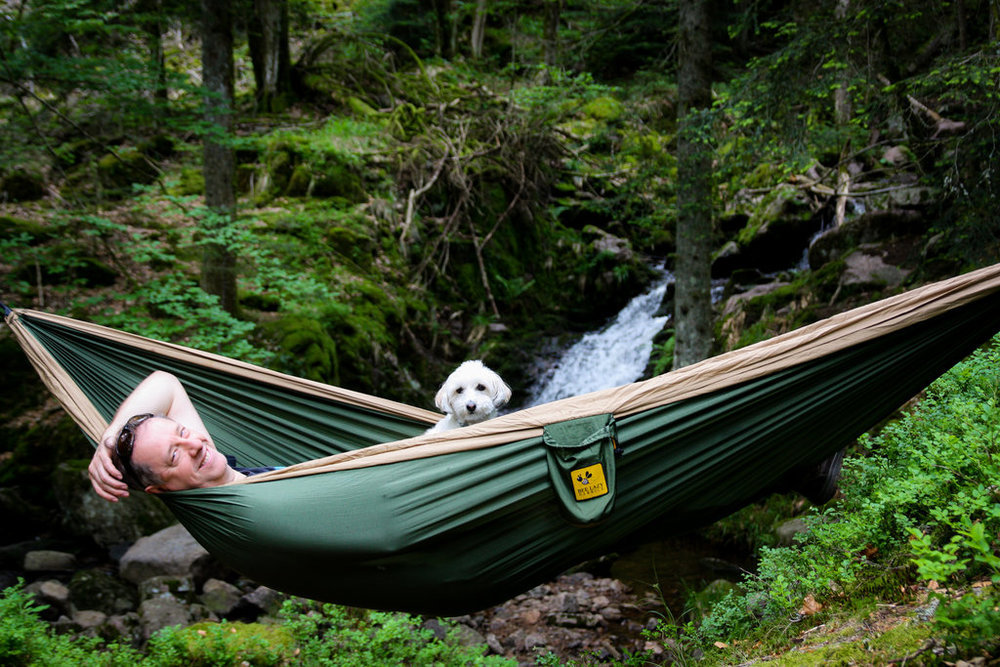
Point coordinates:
[(365, 193)]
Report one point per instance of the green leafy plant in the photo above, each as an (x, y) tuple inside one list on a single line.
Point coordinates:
[(333, 635), (919, 500)]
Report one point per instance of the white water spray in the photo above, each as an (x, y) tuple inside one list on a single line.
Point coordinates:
[(613, 356)]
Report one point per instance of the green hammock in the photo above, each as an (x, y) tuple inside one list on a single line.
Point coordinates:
[(371, 512)]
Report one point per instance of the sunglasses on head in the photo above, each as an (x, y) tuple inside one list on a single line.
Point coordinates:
[(122, 454)]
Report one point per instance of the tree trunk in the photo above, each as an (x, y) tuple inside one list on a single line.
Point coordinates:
[(218, 271), (842, 115), (152, 24), (693, 302), (553, 9), (444, 28), (268, 42), (478, 30)]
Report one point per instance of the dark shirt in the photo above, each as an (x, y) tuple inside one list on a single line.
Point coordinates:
[(256, 470)]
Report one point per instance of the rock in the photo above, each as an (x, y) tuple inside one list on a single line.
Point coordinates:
[(875, 227), (88, 515), (179, 587), (220, 597), (49, 561), (52, 593), (161, 612), (266, 599), (125, 628), (787, 531), (777, 230), (171, 552), (89, 621), (896, 155), (101, 590), (603, 242), (865, 269), (494, 644)]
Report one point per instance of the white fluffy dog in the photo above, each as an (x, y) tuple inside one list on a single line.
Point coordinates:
[(471, 394)]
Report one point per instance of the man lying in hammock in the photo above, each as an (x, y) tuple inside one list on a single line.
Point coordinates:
[(157, 442)]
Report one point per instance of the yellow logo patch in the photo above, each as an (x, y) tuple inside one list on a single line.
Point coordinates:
[(589, 482)]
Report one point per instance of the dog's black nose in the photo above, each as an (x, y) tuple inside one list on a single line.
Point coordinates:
[(470, 406)]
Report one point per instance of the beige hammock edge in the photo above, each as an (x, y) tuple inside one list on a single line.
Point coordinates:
[(796, 347)]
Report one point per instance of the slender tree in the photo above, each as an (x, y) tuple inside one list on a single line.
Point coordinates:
[(693, 303), (552, 11), (269, 53), (478, 29), (218, 272)]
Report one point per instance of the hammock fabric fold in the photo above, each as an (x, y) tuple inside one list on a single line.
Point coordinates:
[(372, 512)]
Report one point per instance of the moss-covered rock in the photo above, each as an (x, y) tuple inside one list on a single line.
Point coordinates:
[(604, 108), (305, 348), (99, 589), (335, 177), (298, 181), (351, 244), (22, 185), (118, 171), (87, 515), (191, 182), (18, 228), (777, 230)]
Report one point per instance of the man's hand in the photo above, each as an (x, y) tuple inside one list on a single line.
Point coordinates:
[(104, 477)]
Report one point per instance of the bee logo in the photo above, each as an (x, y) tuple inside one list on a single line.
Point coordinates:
[(589, 482)]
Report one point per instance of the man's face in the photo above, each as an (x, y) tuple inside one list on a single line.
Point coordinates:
[(181, 457)]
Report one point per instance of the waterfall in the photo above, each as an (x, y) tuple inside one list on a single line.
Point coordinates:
[(615, 355)]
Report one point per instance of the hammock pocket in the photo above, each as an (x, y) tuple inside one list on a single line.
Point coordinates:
[(580, 455), (372, 512)]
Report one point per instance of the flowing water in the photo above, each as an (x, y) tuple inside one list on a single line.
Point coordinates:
[(609, 357)]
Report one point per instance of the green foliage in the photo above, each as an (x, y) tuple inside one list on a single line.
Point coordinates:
[(924, 491), (25, 639), (216, 644), (309, 634), (332, 635)]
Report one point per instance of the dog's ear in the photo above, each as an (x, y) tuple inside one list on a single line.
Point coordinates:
[(501, 392), (441, 399)]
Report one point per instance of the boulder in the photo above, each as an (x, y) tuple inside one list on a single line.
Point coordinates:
[(88, 622), (124, 628), (267, 600), (161, 612), (51, 593), (604, 243), (787, 531), (220, 597), (866, 269), (101, 590), (170, 552), (179, 587), (88, 515), (49, 561), (875, 227), (777, 230), (22, 185)]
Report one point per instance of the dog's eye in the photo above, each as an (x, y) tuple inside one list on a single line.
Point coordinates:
[(460, 390), (480, 387)]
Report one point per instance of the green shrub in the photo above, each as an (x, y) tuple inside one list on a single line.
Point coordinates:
[(920, 502), (340, 636), (25, 639)]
